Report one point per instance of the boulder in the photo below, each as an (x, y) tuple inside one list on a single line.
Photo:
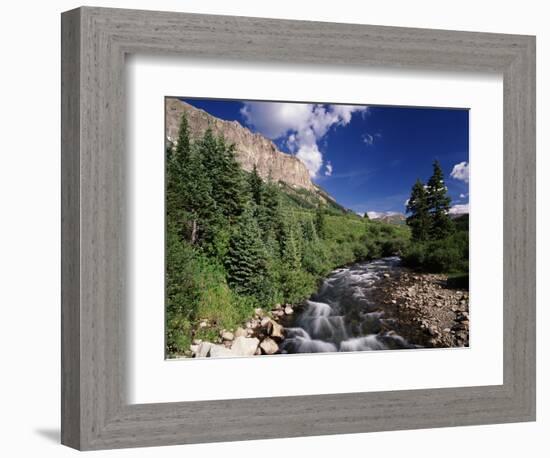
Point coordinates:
[(204, 349), (240, 332), (289, 310), (269, 346), (222, 351), (265, 322), (245, 346), (227, 335), (277, 331)]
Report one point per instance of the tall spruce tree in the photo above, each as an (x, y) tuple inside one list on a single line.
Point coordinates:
[(189, 203), (320, 223), (419, 220), (230, 184), (272, 208), (438, 203), (292, 249), (255, 185), (246, 261)]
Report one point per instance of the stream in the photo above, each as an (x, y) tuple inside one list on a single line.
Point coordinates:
[(343, 314)]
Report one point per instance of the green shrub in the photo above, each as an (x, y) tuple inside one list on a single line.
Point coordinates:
[(447, 255)]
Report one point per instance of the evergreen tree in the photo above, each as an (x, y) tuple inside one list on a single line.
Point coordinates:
[(366, 216), (291, 249), (417, 206), (320, 223), (309, 231), (255, 185), (246, 261), (272, 208), (438, 204), (226, 178), (183, 147)]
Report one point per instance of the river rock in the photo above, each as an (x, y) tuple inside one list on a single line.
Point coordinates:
[(289, 310), (258, 312), (227, 335), (265, 322), (240, 332), (218, 351), (277, 331), (204, 349), (194, 349), (269, 346), (245, 346), (459, 326)]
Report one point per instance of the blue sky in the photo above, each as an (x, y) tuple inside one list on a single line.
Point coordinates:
[(366, 157)]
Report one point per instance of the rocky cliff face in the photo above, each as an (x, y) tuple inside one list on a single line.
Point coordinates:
[(251, 149)]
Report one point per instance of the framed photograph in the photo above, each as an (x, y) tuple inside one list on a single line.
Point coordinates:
[(316, 228)]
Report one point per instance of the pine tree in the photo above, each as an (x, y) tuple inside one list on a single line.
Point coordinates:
[(226, 178), (246, 261), (320, 223), (178, 197), (419, 221), (272, 208), (309, 231), (255, 185), (438, 204), (291, 246), (183, 147)]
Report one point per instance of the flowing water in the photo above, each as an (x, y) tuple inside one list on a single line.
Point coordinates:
[(344, 316)]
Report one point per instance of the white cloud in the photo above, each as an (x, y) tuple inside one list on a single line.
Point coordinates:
[(368, 139), (376, 215), (459, 209), (462, 196), (328, 169), (302, 124), (461, 171)]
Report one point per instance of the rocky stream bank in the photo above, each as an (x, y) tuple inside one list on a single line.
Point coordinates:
[(377, 305)]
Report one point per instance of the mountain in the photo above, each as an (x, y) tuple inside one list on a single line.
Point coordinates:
[(250, 148), (388, 217)]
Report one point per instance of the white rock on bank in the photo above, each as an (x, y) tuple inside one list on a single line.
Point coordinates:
[(245, 346), (240, 332), (269, 346), (203, 350), (227, 335), (222, 351), (277, 330), (289, 310)]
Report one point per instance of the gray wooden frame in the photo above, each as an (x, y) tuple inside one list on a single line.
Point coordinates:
[(95, 413)]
